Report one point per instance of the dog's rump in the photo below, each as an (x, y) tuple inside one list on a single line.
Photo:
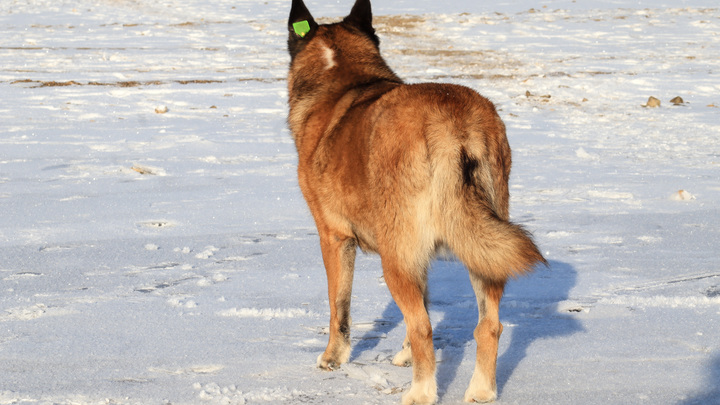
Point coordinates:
[(473, 216), (439, 163)]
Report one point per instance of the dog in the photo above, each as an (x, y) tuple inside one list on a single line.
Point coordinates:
[(403, 170)]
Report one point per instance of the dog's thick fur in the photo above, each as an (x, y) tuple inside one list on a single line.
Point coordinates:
[(401, 170)]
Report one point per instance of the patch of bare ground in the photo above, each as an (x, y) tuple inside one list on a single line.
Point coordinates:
[(402, 25), (52, 83)]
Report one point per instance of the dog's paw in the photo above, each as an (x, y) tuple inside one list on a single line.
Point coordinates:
[(403, 358), (332, 359), (327, 364), (482, 388), (421, 393), (480, 395)]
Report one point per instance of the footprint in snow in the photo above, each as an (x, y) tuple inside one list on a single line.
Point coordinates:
[(32, 312), (207, 253), (164, 285), (713, 291), (158, 224)]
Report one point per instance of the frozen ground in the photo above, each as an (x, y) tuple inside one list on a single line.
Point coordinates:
[(167, 257)]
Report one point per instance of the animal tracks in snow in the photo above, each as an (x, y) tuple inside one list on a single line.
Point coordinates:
[(181, 275)]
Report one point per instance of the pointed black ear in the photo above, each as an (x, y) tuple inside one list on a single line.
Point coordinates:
[(361, 18), (301, 27), (301, 23)]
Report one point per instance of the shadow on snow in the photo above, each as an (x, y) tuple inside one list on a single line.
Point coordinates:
[(712, 384), (529, 310)]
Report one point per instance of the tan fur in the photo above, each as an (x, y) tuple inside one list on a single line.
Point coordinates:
[(402, 170)]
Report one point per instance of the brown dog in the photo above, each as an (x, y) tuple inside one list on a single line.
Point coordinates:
[(401, 170)]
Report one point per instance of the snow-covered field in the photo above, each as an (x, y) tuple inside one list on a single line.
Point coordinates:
[(155, 248)]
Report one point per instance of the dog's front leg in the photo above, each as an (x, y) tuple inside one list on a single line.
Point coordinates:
[(339, 256)]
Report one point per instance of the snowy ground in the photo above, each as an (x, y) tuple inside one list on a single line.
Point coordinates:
[(168, 257)]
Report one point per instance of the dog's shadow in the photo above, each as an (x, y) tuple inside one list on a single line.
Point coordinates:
[(712, 393), (530, 310)]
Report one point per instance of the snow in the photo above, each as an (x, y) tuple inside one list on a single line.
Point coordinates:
[(155, 248)]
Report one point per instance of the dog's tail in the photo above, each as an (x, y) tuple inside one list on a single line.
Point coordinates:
[(475, 208)]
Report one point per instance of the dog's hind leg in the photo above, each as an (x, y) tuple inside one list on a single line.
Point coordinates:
[(483, 387), (339, 257), (403, 358), (408, 287)]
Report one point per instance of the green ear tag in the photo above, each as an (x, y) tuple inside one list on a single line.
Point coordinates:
[(301, 28)]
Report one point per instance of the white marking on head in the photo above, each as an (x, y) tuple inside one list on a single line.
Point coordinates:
[(329, 56)]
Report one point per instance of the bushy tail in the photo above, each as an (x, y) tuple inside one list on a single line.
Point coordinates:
[(493, 248), (477, 228)]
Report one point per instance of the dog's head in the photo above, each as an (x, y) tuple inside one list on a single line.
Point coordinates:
[(328, 60), (302, 28)]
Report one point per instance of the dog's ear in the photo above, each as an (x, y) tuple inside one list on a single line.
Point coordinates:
[(301, 27), (360, 17)]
